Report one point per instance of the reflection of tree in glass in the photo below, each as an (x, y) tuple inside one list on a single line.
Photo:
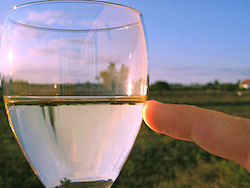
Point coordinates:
[(65, 182), (113, 79), (114, 82), (138, 87)]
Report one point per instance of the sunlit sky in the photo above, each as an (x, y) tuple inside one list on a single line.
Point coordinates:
[(191, 41)]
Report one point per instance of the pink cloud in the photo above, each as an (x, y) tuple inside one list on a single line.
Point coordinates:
[(47, 17)]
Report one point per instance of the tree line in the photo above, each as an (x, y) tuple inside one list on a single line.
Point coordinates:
[(216, 85)]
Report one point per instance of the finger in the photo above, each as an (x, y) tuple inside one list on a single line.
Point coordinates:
[(218, 133)]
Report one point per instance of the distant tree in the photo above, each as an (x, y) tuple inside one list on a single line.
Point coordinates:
[(230, 87), (114, 79), (124, 73), (221, 86), (137, 86), (123, 77), (209, 86), (212, 85), (216, 82), (109, 76), (177, 86), (160, 86)]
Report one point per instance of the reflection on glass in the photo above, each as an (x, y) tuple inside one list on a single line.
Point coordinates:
[(74, 75)]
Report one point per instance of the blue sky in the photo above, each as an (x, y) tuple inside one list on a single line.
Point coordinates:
[(192, 41)]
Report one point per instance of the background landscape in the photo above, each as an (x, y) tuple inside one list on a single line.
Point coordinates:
[(156, 161), (189, 42)]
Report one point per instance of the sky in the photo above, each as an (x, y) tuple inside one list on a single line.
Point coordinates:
[(191, 41)]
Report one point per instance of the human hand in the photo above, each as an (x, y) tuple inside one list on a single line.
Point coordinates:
[(219, 133)]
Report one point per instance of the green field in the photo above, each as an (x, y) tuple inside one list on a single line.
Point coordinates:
[(156, 161)]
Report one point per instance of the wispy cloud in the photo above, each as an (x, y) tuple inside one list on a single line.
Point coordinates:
[(47, 17)]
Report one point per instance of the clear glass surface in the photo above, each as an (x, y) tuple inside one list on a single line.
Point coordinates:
[(74, 77)]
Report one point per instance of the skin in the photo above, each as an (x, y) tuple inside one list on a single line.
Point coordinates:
[(218, 133)]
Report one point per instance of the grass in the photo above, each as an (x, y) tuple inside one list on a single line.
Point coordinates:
[(156, 161)]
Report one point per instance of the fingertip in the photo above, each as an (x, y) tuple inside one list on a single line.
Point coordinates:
[(145, 112), (149, 113)]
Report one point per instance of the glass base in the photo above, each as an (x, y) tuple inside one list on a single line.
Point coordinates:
[(90, 184)]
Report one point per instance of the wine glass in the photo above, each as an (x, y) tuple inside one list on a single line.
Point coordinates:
[(74, 77)]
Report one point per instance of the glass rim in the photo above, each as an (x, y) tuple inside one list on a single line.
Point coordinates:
[(16, 7)]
